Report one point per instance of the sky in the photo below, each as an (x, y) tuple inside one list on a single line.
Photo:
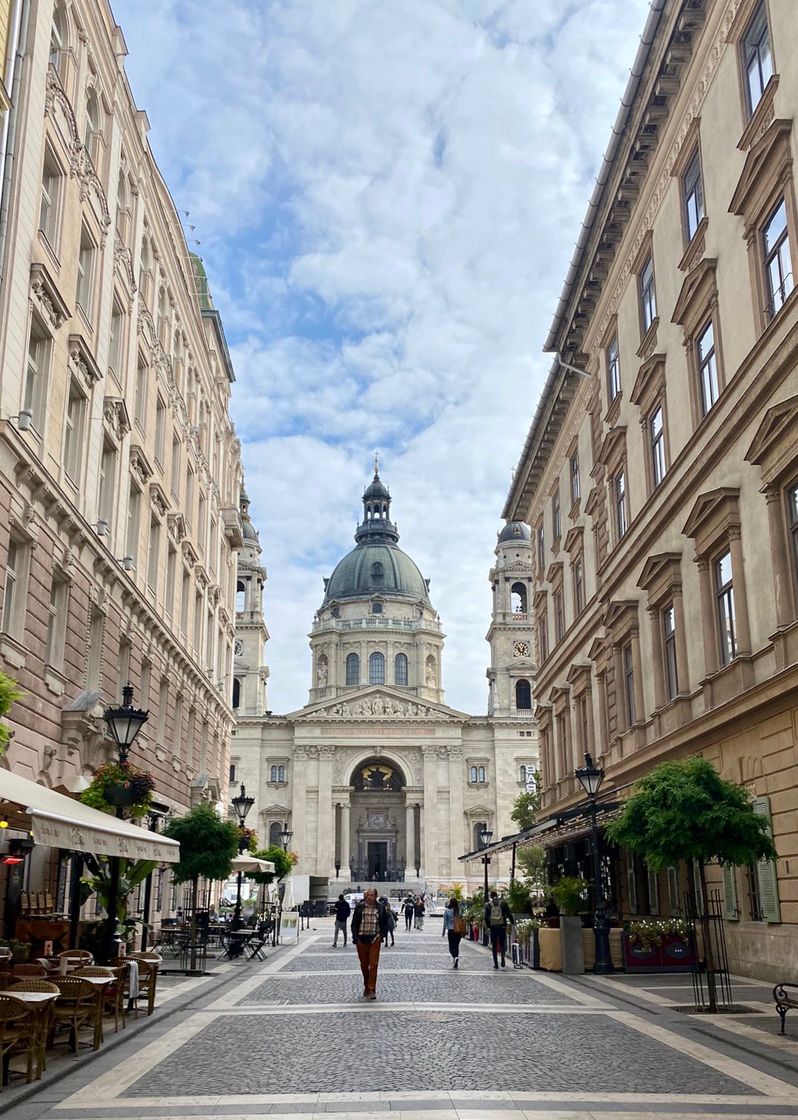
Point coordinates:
[(386, 195)]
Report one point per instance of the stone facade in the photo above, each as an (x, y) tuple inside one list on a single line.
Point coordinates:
[(376, 777), (119, 466), (662, 486)]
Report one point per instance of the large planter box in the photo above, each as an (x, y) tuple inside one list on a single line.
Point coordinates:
[(673, 954)]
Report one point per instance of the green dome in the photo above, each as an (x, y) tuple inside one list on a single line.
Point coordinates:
[(376, 569)]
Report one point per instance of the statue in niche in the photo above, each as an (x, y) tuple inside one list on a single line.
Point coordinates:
[(430, 674), (321, 674)]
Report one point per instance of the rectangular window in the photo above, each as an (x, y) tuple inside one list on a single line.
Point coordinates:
[(583, 724), (153, 556), (115, 341), (171, 569), (620, 499), (778, 259), (184, 593), (707, 368), (123, 664), (648, 296), (175, 467), (160, 428), (555, 516), (11, 592), (613, 371), (94, 653), (559, 616), (85, 285), (107, 488), (627, 659), (197, 621), (579, 585), (724, 600), (202, 509), (56, 623), (757, 58), (668, 617), (189, 495), (36, 375), (51, 195), (792, 527), (656, 431), (543, 638), (73, 432), (541, 548), (133, 516), (693, 196), (140, 403), (209, 636), (573, 470)]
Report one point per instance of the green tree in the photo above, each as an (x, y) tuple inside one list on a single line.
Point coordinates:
[(207, 847), (132, 872), (9, 693), (686, 811), (526, 806), (532, 863), (282, 865)]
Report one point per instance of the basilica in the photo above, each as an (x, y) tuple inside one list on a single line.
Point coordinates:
[(376, 777)]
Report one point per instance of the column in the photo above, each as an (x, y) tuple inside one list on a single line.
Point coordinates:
[(299, 807), (429, 850), (682, 660), (707, 616), (660, 697), (345, 852), (740, 597), (782, 576), (456, 808), (637, 662), (325, 837), (410, 838)]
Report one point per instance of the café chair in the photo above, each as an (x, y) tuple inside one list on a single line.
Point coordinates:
[(42, 1017), (112, 994), (77, 955), (148, 978), (32, 971), (17, 1034), (76, 1007)]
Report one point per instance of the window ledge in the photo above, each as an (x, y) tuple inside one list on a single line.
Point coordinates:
[(785, 308), (696, 247), (649, 339), (761, 116), (12, 651), (613, 411), (54, 681), (49, 249)]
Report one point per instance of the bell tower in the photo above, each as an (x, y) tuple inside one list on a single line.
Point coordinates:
[(249, 672), (512, 669)]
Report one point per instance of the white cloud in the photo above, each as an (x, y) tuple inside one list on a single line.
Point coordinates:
[(387, 197)]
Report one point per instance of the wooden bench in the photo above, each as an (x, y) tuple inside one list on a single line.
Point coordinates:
[(785, 1000)]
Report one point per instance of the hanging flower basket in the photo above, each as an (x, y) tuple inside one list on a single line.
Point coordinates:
[(117, 786)]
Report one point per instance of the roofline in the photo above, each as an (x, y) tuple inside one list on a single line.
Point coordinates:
[(618, 129), (216, 319)]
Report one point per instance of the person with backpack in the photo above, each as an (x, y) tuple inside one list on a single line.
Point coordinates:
[(391, 921), (454, 925), (497, 917), (342, 911)]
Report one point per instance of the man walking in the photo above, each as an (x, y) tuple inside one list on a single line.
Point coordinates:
[(409, 911), (369, 927), (342, 912), (497, 916)]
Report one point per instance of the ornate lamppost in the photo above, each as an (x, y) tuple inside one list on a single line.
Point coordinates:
[(485, 836), (124, 723), (241, 806), (590, 778)]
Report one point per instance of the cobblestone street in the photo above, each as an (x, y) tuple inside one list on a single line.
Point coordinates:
[(293, 1037)]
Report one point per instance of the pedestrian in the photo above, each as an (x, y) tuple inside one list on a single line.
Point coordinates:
[(454, 925), (391, 921), (418, 911), (369, 927), (342, 912), (409, 908), (497, 916)]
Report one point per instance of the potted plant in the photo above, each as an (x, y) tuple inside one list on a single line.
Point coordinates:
[(527, 934), (569, 894), (659, 944), (120, 785)]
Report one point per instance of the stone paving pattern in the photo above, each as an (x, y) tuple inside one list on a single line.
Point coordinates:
[(403, 988), (427, 1050), (345, 960)]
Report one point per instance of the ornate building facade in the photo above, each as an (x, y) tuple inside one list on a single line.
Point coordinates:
[(377, 778), (119, 466), (662, 486)]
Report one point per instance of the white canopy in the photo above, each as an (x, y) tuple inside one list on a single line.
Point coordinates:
[(58, 821), (246, 862)]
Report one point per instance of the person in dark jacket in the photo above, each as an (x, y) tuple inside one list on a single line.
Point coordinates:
[(342, 912), (409, 911), (497, 918), (369, 927)]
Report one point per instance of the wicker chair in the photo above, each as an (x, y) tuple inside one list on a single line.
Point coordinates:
[(147, 955), (16, 1034), (77, 1005), (113, 994), (43, 1018), (148, 978), (30, 971), (77, 955)]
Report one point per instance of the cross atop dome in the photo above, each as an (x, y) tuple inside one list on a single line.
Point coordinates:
[(376, 524)]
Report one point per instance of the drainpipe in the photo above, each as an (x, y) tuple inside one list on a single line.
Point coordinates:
[(12, 76)]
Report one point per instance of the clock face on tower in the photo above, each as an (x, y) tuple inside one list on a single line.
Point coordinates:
[(521, 649), (239, 648)]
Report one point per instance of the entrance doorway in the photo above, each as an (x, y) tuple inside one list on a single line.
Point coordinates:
[(378, 860)]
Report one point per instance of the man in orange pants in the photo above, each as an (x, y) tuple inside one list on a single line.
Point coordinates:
[(369, 926)]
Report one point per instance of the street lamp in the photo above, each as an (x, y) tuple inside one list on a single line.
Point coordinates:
[(241, 806), (124, 724), (285, 836), (590, 778), (485, 836)]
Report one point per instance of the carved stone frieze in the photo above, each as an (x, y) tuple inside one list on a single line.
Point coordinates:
[(378, 706), (123, 260), (46, 298), (140, 467), (116, 418)]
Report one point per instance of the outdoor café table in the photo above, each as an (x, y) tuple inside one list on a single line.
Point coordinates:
[(40, 1004), (237, 940)]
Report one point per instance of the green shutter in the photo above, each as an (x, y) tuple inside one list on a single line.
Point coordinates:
[(730, 892), (632, 882), (653, 892), (674, 902), (766, 873)]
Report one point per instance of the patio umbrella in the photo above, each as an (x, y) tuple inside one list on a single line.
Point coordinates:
[(246, 863)]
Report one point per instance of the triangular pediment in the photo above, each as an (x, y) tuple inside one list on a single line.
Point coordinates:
[(694, 291), (774, 441), (765, 158), (376, 702)]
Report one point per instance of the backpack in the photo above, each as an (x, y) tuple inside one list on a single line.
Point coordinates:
[(496, 917), (459, 925)]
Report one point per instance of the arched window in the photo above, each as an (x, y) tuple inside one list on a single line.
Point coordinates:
[(145, 269), (274, 774), (275, 834), (122, 209), (400, 669), (473, 774), (522, 777), (236, 692), (376, 608), (352, 669), (241, 596), (59, 41), (481, 774), (280, 773), (523, 695), (477, 832), (376, 669), (518, 598)]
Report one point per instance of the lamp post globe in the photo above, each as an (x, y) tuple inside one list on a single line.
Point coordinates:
[(485, 836), (241, 806), (285, 837), (590, 777)]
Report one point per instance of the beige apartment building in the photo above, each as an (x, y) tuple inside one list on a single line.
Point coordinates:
[(119, 466), (662, 484)]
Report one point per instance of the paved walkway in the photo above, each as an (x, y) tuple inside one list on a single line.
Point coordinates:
[(294, 1038)]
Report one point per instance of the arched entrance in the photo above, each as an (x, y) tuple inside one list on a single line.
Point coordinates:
[(378, 821)]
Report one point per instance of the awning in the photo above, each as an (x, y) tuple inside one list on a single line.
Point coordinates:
[(57, 821), (251, 863)]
